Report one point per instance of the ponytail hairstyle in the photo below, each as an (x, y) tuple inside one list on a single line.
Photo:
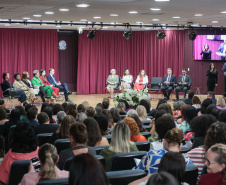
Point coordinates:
[(48, 158)]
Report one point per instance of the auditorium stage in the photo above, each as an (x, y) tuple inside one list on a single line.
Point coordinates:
[(93, 99)]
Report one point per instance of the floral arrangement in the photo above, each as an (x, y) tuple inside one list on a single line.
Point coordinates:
[(132, 96)]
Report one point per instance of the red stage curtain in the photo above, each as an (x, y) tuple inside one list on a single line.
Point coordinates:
[(142, 51), (28, 50)]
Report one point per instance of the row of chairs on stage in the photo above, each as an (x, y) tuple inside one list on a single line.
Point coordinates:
[(155, 86)]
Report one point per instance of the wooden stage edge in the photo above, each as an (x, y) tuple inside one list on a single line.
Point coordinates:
[(94, 99)]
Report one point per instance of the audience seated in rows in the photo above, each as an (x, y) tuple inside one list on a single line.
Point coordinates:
[(135, 135), (78, 139), (32, 113), (90, 112), (102, 122), (48, 159), (196, 102), (121, 108), (172, 141), (24, 147), (94, 134), (111, 123), (120, 143), (57, 108), (142, 113), (215, 134), (138, 122), (71, 110), (85, 104), (177, 107)]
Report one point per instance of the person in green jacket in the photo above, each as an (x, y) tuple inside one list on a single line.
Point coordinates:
[(37, 81), (120, 143)]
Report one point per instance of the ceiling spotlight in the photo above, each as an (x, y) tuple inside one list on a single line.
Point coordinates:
[(192, 36), (127, 34), (82, 5), (92, 34), (80, 30), (161, 35)]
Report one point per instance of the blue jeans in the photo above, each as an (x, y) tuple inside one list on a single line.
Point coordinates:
[(21, 95), (63, 87)]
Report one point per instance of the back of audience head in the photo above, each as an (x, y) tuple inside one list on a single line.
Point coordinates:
[(215, 134), (224, 96), (215, 112), (221, 102), (164, 124), (120, 140), (196, 100), (23, 138), (222, 116), (210, 95), (32, 113), (57, 108), (121, 108), (81, 108), (28, 106), (90, 112), (3, 115), (43, 118), (48, 158), (166, 107), (173, 163), (102, 122), (191, 94), (126, 104), (200, 124), (115, 115), (183, 112), (93, 130), (210, 108), (176, 106), (44, 105), (159, 114), (217, 155), (134, 129), (85, 170), (64, 105), (161, 101), (162, 178), (78, 134), (109, 118), (146, 104), (98, 109), (191, 113), (141, 111), (100, 105), (60, 116), (81, 117), (22, 110), (71, 110), (138, 121), (173, 137), (85, 104), (49, 111), (2, 102), (106, 103), (205, 104), (14, 115), (130, 112), (66, 123)]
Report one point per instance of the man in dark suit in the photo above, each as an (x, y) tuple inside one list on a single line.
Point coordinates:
[(168, 83), (222, 50), (63, 87), (184, 83)]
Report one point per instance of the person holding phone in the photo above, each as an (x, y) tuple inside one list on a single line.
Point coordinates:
[(44, 167), (206, 52)]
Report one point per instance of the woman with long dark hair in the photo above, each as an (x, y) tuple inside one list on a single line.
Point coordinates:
[(206, 52), (212, 74)]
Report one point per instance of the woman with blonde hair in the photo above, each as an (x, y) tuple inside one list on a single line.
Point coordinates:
[(135, 135), (121, 108), (120, 143), (48, 158), (142, 113), (127, 80), (221, 103), (85, 104), (141, 81)]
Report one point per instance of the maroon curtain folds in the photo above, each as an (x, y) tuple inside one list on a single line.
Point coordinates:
[(142, 51), (28, 50)]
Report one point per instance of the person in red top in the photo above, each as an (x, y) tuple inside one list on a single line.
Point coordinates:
[(46, 82), (141, 81), (135, 135), (215, 160), (24, 147)]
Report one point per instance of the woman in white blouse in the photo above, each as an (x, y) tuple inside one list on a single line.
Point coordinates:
[(127, 79), (141, 81)]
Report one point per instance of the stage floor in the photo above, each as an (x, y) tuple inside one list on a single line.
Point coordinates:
[(94, 99)]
